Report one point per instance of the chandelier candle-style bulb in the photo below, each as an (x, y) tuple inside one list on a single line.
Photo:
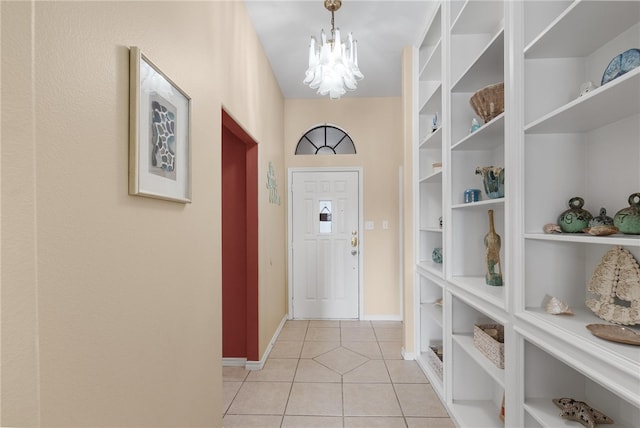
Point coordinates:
[(333, 66)]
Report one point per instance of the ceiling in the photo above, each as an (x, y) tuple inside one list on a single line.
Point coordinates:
[(382, 28)]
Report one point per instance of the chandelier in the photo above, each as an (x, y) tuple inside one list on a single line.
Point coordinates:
[(333, 66)]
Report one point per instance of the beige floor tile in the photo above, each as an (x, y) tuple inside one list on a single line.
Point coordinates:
[(311, 371), (260, 398), (358, 334), (355, 323), (391, 350), (387, 324), (296, 323), (282, 349), (374, 371), (419, 400), (251, 421), (315, 399), (366, 349), (373, 422), (430, 423), (312, 422), (402, 371), (234, 373), (324, 323), (341, 360), (229, 391), (322, 334), (388, 334), (370, 400), (315, 349), (275, 370), (292, 334)]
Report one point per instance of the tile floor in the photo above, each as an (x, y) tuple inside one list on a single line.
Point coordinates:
[(333, 374)]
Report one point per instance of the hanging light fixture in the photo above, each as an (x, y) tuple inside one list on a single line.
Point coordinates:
[(333, 66)]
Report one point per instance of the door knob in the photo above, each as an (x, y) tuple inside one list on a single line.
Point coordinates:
[(354, 252), (354, 241)]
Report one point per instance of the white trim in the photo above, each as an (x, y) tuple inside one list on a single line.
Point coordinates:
[(233, 362), (360, 172), (407, 355)]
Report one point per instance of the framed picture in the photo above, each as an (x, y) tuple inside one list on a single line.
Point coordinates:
[(159, 133)]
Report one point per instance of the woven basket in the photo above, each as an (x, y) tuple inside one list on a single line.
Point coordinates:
[(490, 347), (488, 102), (434, 361)]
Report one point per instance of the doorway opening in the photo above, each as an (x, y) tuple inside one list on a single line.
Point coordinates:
[(239, 242)]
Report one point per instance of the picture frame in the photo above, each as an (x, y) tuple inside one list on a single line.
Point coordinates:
[(159, 133)]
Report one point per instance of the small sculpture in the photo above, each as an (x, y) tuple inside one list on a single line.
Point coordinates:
[(581, 412), (554, 306), (601, 219), (616, 278), (474, 125), (586, 87), (492, 244), (436, 255), (434, 126)]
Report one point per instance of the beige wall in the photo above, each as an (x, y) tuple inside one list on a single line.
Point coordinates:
[(111, 303), (375, 125)]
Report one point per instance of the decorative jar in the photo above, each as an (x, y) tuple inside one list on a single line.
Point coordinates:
[(493, 180), (575, 218), (627, 220)]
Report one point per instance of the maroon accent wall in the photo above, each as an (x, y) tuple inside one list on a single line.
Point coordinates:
[(239, 242)]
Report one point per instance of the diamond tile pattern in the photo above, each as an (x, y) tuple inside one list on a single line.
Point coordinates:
[(330, 373)]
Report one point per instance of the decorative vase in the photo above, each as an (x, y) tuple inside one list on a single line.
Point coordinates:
[(627, 220), (436, 255), (575, 218), (493, 180), (492, 244)]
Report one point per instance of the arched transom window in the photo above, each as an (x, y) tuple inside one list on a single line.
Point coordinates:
[(325, 140)]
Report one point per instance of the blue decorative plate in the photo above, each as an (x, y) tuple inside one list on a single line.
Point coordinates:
[(621, 64)]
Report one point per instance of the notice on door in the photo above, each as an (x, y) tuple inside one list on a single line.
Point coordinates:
[(325, 217)]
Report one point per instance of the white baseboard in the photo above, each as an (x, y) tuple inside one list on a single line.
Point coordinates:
[(234, 362), (258, 365), (407, 355)]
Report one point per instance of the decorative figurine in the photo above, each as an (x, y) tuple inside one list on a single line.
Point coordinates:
[(575, 218), (628, 219), (616, 278), (586, 87), (581, 412), (601, 219), (434, 126), (474, 125), (492, 244), (493, 180)]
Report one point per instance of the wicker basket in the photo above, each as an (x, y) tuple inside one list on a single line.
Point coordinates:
[(488, 102), (490, 347), (434, 360)]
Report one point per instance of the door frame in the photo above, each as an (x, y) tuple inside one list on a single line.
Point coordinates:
[(290, 172)]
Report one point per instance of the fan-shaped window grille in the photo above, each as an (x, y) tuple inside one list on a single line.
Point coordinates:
[(325, 140)]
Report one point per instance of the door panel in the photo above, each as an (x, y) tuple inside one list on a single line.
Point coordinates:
[(325, 256)]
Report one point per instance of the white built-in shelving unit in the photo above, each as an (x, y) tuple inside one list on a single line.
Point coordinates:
[(554, 144)]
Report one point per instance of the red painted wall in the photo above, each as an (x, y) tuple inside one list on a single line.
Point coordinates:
[(239, 242)]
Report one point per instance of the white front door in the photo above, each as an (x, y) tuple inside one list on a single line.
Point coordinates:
[(325, 244)]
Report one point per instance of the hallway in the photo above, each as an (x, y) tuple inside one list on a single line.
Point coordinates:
[(333, 374)]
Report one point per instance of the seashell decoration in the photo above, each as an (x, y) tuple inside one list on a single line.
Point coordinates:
[(551, 228), (616, 278), (580, 411), (601, 230), (554, 306)]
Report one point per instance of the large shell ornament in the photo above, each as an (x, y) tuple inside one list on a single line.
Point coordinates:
[(616, 280), (554, 306)]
